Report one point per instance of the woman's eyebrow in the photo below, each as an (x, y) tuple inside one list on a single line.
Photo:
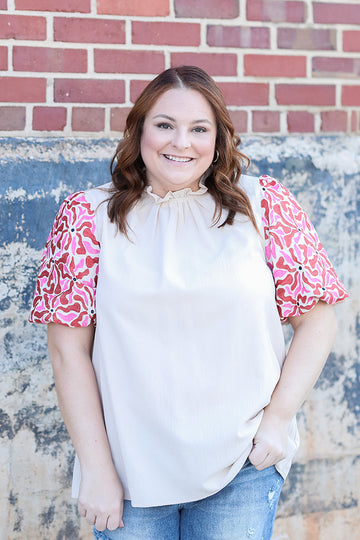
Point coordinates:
[(201, 120), (164, 116)]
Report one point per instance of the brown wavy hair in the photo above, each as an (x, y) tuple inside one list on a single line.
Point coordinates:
[(128, 169)]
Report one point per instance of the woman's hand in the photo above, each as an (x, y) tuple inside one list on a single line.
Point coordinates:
[(101, 499), (314, 333), (270, 442), (101, 493)]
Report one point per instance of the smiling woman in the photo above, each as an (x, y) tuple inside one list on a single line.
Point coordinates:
[(164, 293), (129, 174), (176, 147)]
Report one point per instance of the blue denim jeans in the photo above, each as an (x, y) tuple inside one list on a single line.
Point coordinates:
[(243, 509)]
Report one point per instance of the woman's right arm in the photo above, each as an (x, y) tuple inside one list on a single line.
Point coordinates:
[(101, 493)]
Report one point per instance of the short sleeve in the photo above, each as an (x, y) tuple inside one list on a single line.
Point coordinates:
[(66, 283), (302, 272)]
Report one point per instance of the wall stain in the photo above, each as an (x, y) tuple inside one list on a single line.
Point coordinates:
[(70, 531), (352, 395), (13, 499), (332, 371), (47, 516), (49, 433), (6, 429)]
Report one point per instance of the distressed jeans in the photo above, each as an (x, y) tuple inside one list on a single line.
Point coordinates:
[(243, 509)]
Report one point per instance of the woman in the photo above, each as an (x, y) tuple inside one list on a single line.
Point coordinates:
[(181, 404)]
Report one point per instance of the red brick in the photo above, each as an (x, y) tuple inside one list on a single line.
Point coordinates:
[(166, 33), (239, 119), (118, 117), (325, 66), (275, 10), (22, 27), (3, 58), (333, 121), (339, 13), (142, 8), (245, 93), (354, 122), (136, 87), (265, 121), (214, 64), (49, 118), (351, 96), (88, 91), (12, 118), (71, 6), (351, 40), (306, 39), (236, 36), (208, 9), (42, 59), (115, 61), (88, 119), (300, 122), (88, 30), (261, 65), (305, 94), (22, 89)]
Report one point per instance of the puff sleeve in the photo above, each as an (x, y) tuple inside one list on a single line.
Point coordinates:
[(302, 272), (66, 283)]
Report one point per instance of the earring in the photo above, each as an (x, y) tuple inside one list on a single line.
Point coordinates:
[(217, 156)]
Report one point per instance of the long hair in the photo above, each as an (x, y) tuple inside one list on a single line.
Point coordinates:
[(128, 169)]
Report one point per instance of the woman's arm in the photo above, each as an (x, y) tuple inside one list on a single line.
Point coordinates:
[(314, 333), (101, 493)]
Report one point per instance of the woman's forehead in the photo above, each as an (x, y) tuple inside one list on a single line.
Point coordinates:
[(182, 102)]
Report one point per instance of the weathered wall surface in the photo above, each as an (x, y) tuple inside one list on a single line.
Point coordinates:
[(321, 496), (76, 66)]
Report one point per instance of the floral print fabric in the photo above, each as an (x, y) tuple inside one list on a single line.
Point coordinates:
[(66, 284), (301, 269)]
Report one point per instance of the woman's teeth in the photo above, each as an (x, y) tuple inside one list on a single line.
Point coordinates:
[(175, 158)]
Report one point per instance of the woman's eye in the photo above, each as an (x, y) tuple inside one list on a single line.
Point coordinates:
[(199, 129), (163, 125)]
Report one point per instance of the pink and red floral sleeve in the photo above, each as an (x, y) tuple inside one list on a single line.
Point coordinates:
[(66, 283), (301, 269)]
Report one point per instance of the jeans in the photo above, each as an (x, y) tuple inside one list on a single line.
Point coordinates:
[(243, 509)]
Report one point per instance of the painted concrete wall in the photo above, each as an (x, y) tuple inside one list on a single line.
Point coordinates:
[(321, 496), (76, 66)]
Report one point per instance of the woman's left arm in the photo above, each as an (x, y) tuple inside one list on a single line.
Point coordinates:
[(314, 333)]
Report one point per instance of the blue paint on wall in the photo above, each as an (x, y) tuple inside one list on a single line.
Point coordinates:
[(36, 215)]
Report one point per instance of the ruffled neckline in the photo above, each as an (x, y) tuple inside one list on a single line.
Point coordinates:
[(184, 193)]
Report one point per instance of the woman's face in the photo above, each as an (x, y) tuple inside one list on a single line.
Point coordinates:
[(178, 140)]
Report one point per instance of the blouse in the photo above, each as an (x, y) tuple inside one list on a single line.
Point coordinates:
[(188, 345)]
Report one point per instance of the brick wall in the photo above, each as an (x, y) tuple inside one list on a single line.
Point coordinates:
[(74, 67)]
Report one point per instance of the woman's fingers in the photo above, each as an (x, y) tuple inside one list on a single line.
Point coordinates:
[(103, 520), (270, 442), (100, 522), (115, 520), (101, 498)]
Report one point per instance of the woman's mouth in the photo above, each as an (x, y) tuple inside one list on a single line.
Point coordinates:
[(177, 158)]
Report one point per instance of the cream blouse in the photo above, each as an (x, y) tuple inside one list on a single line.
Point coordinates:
[(188, 345)]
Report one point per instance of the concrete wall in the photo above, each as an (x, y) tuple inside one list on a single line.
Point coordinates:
[(320, 500)]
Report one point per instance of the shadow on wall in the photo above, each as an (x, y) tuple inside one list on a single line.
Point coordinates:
[(35, 453)]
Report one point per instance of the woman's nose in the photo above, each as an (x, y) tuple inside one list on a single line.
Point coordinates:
[(181, 139)]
